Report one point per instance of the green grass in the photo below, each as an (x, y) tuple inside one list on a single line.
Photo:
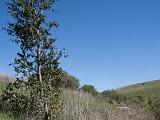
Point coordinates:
[(145, 89)]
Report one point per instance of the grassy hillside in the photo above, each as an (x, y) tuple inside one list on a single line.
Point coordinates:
[(141, 89)]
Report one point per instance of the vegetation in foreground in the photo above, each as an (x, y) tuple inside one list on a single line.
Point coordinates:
[(81, 105)]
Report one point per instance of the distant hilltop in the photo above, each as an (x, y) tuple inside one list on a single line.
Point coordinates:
[(145, 89)]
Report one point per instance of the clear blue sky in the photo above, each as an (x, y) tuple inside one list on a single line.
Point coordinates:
[(111, 43)]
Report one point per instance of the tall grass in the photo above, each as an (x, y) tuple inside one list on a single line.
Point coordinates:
[(4, 80), (82, 106)]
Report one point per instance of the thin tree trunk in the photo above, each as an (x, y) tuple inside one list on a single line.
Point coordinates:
[(44, 100), (39, 69)]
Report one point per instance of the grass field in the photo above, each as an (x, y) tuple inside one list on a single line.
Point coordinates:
[(145, 89)]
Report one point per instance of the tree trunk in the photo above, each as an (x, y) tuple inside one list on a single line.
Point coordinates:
[(39, 69)]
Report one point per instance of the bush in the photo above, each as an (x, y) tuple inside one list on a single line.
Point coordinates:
[(69, 81), (90, 89), (111, 96), (20, 100), (154, 105), (13, 100)]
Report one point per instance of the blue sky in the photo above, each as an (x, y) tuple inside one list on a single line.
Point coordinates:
[(111, 43)]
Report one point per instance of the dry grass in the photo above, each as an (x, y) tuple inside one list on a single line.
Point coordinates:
[(6, 78), (82, 106)]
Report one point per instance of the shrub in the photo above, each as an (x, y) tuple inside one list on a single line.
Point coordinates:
[(154, 105), (20, 100), (69, 81), (112, 96), (90, 89)]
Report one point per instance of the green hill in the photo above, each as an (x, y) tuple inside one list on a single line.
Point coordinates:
[(141, 89)]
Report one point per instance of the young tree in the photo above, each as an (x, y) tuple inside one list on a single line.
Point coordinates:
[(38, 62)]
